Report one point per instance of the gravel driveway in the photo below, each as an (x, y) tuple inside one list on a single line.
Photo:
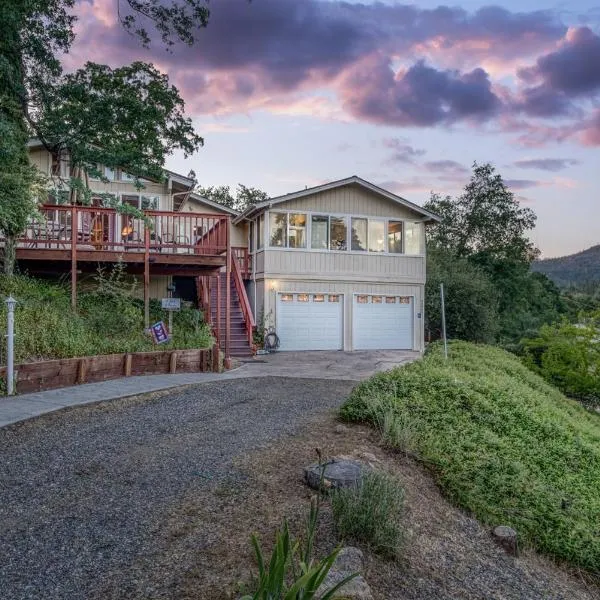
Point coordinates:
[(81, 492)]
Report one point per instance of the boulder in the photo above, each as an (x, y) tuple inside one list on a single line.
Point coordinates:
[(339, 473), (350, 560)]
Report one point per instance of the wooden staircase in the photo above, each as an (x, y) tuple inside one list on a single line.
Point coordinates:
[(239, 344)]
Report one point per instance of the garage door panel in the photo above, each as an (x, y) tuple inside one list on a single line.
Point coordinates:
[(382, 326), (309, 325)]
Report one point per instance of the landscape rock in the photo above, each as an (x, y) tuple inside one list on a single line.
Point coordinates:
[(507, 538), (339, 473), (350, 560)]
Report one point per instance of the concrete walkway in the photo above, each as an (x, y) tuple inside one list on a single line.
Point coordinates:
[(352, 366)]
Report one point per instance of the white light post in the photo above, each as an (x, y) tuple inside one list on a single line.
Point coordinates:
[(10, 345)]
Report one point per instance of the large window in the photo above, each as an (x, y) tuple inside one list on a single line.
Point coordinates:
[(359, 234), (278, 229), (338, 233), (376, 236), (297, 230), (395, 237), (413, 238), (259, 231), (319, 237)]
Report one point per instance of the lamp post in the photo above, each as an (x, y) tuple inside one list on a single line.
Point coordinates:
[(10, 345)]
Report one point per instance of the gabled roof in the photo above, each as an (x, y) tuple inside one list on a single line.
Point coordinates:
[(251, 211), (203, 200)]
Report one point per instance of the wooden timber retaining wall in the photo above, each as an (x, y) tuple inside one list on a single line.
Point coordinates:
[(49, 374)]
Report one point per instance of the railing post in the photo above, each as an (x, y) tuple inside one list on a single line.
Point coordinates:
[(146, 276), (218, 328), (74, 229), (228, 299)]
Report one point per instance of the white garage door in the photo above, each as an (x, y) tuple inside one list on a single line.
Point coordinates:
[(382, 322), (310, 321)]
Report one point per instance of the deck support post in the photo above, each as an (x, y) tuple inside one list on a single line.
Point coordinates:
[(74, 228), (218, 314), (228, 300), (146, 277)]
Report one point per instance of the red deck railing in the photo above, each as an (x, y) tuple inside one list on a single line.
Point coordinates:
[(95, 228), (243, 298), (242, 255)]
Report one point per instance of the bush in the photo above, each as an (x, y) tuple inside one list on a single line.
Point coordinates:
[(502, 443), (470, 299), (568, 356), (370, 513), (110, 319)]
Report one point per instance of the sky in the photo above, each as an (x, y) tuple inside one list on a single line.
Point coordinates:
[(294, 93)]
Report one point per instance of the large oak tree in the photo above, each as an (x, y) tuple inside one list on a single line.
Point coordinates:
[(129, 117)]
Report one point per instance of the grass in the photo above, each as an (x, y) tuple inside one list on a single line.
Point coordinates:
[(370, 513), (503, 444), (109, 320)]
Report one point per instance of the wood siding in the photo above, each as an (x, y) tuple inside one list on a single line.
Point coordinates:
[(269, 288), (342, 265), (350, 199)]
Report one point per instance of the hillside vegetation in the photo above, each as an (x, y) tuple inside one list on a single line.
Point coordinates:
[(576, 269), (110, 319), (503, 444)]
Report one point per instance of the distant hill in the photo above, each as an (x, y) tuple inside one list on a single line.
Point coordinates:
[(575, 269)]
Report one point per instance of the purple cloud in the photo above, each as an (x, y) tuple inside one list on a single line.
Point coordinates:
[(423, 96), (522, 184), (403, 152), (450, 167), (546, 164)]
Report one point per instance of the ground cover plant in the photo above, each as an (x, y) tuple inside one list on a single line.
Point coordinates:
[(109, 319), (503, 444)]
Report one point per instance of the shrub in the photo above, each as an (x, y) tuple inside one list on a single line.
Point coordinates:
[(109, 319), (502, 443), (370, 513), (568, 356)]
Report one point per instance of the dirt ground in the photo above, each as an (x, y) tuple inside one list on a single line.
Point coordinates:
[(203, 549)]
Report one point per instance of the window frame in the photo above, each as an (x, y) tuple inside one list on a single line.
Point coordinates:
[(348, 220)]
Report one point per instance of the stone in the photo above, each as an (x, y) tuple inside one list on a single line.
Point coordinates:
[(341, 429), (507, 538), (339, 473), (350, 560)]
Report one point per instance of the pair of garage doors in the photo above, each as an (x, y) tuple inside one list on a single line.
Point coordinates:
[(316, 322)]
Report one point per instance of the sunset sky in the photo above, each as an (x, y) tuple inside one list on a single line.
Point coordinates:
[(293, 93)]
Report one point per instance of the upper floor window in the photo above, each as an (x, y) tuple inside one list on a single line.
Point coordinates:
[(319, 238), (109, 173), (126, 176), (359, 234), (287, 230), (278, 229), (413, 238), (395, 237), (338, 233), (260, 231), (376, 236)]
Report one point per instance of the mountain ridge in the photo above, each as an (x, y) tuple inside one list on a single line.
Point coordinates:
[(574, 269)]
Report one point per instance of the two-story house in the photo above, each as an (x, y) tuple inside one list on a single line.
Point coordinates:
[(340, 266)]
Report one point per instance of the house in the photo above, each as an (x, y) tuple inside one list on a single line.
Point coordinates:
[(339, 266), (182, 241)]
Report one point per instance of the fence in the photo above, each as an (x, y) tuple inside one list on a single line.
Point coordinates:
[(50, 374)]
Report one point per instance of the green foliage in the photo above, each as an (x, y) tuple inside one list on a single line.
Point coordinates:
[(110, 320), (371, 512), (92, 113), (485, 219), (503, 444), (128, 117), (292, 573), (568, 356), (244, 197), (486, 227), (471, 300)]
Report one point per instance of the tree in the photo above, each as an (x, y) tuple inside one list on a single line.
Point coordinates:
[(485, 220), (487, 227), (471, 299), (244, 197), (34, 95)]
